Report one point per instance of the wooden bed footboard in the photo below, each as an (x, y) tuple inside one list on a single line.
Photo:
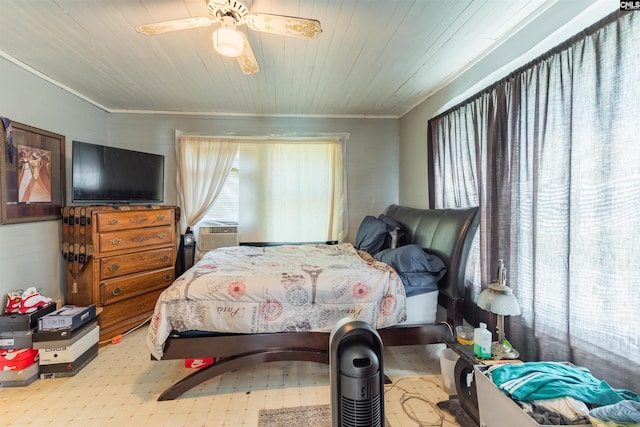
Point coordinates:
[(235, 351), (241, 361)]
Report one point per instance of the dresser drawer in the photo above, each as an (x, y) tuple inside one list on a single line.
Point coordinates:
[(121, 265), (124, 311), (134, 239), (123, 220), (114, 290)]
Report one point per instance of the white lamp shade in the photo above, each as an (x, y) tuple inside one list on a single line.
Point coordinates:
[(228, 42), (501, 301)]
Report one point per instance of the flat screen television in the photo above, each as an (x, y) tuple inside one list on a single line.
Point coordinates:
[(109, 175)]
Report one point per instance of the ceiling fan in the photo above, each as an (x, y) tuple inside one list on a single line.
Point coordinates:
[(227, 40)]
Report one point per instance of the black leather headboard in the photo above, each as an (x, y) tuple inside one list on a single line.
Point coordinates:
[(447, 233)]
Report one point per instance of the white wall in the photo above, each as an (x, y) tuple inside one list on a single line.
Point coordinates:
[(372, 149), (555, 25), (30, 252)]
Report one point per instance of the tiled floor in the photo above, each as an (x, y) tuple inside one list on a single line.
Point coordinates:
[(120, 388)]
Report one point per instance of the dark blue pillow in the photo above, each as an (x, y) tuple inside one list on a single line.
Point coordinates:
[(419, 270), (371, 235), (390, 222), (395, 231)]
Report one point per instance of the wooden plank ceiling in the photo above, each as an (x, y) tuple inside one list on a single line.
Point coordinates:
[(374, 57)]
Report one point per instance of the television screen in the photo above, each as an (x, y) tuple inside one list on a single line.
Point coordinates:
[(112, 175)]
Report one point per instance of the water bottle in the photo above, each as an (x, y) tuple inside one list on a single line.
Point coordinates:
[(482, 342)]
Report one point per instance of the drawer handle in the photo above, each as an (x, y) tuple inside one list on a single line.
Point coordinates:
[(140, 238), (116, 292), (164, 258), (114, 267), (160, 217), (115, 242), (162, 236), (138, 220), (167, 277), (113, 222)]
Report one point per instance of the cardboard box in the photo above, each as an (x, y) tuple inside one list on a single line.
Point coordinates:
[(19, 378), (24, 322), (69, 316), (16, 339), (51, 353), (18, 359), (496, 409), (62, 370), (61, 337)]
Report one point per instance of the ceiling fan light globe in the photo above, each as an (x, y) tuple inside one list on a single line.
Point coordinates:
[(228, 42)]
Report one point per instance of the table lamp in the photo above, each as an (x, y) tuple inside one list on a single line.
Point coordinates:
[(499, 299)]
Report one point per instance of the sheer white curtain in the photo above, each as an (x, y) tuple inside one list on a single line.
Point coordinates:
[(292, 191), (203, 164), (553, 151)]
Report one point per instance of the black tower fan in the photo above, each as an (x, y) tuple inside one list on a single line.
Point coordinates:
[(357, 377)]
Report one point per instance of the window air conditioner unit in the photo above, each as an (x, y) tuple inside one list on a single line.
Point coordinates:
[(217, 237)]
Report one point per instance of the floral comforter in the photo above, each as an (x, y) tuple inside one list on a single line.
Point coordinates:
[(289, 288)]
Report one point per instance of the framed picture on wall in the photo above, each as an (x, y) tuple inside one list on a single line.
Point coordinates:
[(32, 173)]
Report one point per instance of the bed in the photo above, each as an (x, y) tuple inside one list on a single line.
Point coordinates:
[(445, 234)]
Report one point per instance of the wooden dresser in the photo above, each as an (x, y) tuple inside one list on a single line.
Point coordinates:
[(120, 259)]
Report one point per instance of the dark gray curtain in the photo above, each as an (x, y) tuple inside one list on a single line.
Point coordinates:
[(552, 156)]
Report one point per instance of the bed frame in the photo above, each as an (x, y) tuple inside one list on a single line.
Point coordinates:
[(447, 233)]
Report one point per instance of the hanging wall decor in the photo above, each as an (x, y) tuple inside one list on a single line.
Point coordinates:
[(32, 173)]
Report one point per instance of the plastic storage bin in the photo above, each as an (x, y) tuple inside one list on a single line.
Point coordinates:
[(496, 408)]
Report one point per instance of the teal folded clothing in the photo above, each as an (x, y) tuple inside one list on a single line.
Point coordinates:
[(547, 380), (625, 412)]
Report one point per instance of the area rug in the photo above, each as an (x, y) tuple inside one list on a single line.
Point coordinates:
[(409, 401), (314, 415)]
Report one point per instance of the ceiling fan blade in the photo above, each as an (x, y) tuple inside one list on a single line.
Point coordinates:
[(285, 25), (175, 25), (247, 60)]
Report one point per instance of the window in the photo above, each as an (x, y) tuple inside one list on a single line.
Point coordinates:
[(284, 191), (288, 191), (226, 207), (550, 154)]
